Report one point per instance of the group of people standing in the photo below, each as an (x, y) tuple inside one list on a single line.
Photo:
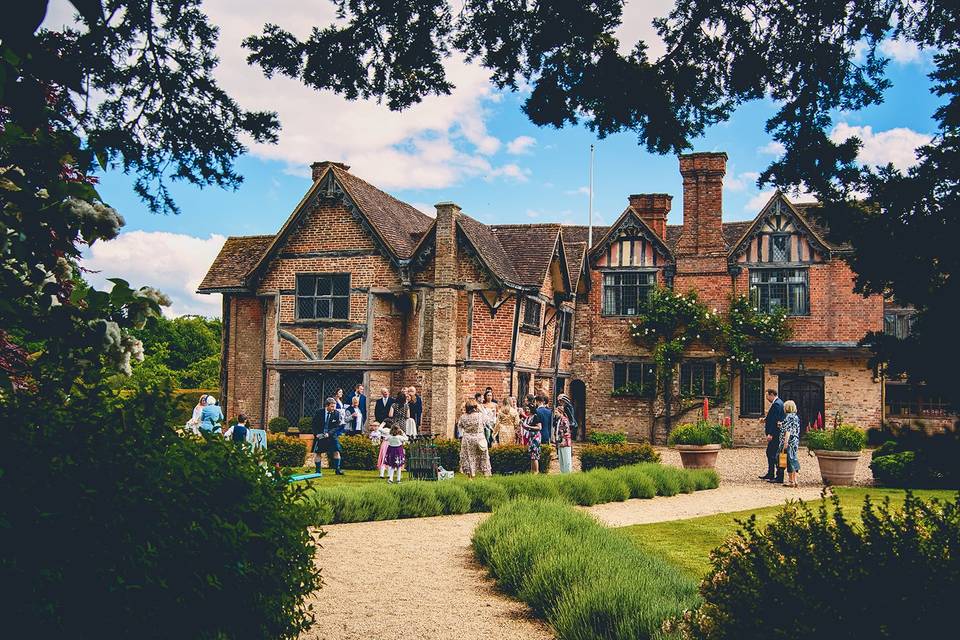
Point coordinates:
[(782, 428), (485, 424)]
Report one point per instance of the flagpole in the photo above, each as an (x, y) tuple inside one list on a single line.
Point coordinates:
[(590, 214)]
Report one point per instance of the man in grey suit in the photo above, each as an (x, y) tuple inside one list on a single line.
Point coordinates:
[(771, 427)]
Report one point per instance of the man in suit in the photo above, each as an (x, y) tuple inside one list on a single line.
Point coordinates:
[(382, 409), (416, 406), (771, 427), (358, 393), (544, 417), (328, 425)]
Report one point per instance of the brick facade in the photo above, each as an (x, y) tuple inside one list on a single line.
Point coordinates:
[(445, 303)]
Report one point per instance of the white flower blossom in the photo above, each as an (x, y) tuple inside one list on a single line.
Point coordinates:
[(96, 220)]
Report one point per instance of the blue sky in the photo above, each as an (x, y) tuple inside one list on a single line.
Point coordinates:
[(475, 148)]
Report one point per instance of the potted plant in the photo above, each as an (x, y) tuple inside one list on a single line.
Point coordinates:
[(699, 443), (837, 451)]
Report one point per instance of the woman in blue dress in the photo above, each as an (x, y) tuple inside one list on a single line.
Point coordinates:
[(211, 415), (790, 441)]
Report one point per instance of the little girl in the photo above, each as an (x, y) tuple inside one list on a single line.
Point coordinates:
[(395, 454), (562, 436), (382, 437)]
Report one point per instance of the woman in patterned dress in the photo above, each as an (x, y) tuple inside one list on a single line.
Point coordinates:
[(474, 455), (789, 441)]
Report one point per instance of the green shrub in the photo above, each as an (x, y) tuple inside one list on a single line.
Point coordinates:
[(601, 437), (529, 485), (305, 425), (448, 450), (508, 459), (700, 433), (165, 523), (380, 502), (704, 479), (895, 469), (586, 580), (418, 499), (870, 564), (182, 403), (639, 482), (918, 460), (285, 451), (611, 485), (484, 495), (278, 425), (579, 488), (610, 456), (359, 452), (453, 497), (846, 437), (666, 479)]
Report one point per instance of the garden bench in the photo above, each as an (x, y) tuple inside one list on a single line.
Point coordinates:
[(303, 476)]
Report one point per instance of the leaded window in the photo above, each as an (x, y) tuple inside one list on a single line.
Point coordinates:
[(531, 314), (780, 288), (323, 296), (566, 339), (908, 400), (779, 247), (624, 292), (634, 379), (698, 379), (751, 393), (898, 323)]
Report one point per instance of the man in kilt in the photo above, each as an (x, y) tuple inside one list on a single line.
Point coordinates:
[(328, 425)]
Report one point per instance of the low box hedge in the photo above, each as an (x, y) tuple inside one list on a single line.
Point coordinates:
[(602, 437), (286, 451), (359, 453), (611, 456), (509, 459)]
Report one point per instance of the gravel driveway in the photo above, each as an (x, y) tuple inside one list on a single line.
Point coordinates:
[(418, 578)]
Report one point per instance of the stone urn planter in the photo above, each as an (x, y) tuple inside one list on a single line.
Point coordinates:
[(698, 456), (837, 467)]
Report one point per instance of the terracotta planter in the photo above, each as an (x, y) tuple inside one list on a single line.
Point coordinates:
[(698, 456), (837, 467), (308, 439)]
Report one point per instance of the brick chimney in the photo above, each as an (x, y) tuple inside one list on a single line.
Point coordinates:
[(653, 209), (702, 203), (317, 168), (443, 378)]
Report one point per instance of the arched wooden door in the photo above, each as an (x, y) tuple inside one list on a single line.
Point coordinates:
[(807, 392), (578, 393)]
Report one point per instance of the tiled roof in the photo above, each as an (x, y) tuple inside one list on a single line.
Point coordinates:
[(529, 247), (236, 258), (488, 246), (399, 224), (576, 251)]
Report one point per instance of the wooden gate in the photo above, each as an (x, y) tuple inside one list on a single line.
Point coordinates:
[(807, 392)]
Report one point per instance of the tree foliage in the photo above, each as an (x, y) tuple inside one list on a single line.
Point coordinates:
[(815, 59)]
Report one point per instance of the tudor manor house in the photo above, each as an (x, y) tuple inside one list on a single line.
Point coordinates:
[(357, 286)]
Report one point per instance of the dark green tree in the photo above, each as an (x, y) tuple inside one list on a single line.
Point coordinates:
[(814, 57)]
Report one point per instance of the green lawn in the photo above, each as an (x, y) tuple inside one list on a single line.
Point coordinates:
[(688, 543), (348, 478)]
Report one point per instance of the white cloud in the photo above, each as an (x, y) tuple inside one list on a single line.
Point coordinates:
[(435, 144), (579, 191), (428, 209), (521, 145), (636, 25), (772, 148), (533, 214), (898, 145), (740, 181), (757, 202), (900, 51), (175, 263), (512, 172)]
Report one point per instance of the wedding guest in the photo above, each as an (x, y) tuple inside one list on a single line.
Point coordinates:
[(416, 406), (771, 427), (381, 410), (358, 393), (211, 416), (354, 417), (507, 429), (789, 441), (396, 456), (474, 455), (562, 438), (328, 426)]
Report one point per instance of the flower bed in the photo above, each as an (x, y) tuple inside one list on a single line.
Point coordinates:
[(362, 503)]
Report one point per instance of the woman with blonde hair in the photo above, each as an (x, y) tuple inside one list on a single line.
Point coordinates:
[(790, 441), (507, 428)]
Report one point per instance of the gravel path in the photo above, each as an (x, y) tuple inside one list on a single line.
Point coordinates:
[(418, 578)]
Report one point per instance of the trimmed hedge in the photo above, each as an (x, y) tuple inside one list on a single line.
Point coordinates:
[(508, 459), (287, 452), (611, 456), (601, 437), (360, 503), (586, 580), (359, 453), (278, 425), (917, 460)]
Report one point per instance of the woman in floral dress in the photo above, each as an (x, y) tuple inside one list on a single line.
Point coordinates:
[(790, 441), (508, 423), (474, 455)]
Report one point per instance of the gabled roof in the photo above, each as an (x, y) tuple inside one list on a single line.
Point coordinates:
[(489, 250), (576, 253), (630, 216), (814, 234), (236, 258), (531, 248)]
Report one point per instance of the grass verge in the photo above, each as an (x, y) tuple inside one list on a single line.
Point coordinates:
[(687, 543), (586, 580), (367, 500)]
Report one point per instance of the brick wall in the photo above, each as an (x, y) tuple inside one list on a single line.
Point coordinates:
[(245, 358)]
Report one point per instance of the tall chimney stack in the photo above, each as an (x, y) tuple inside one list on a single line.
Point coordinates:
[(702, 232), (653, 209)]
